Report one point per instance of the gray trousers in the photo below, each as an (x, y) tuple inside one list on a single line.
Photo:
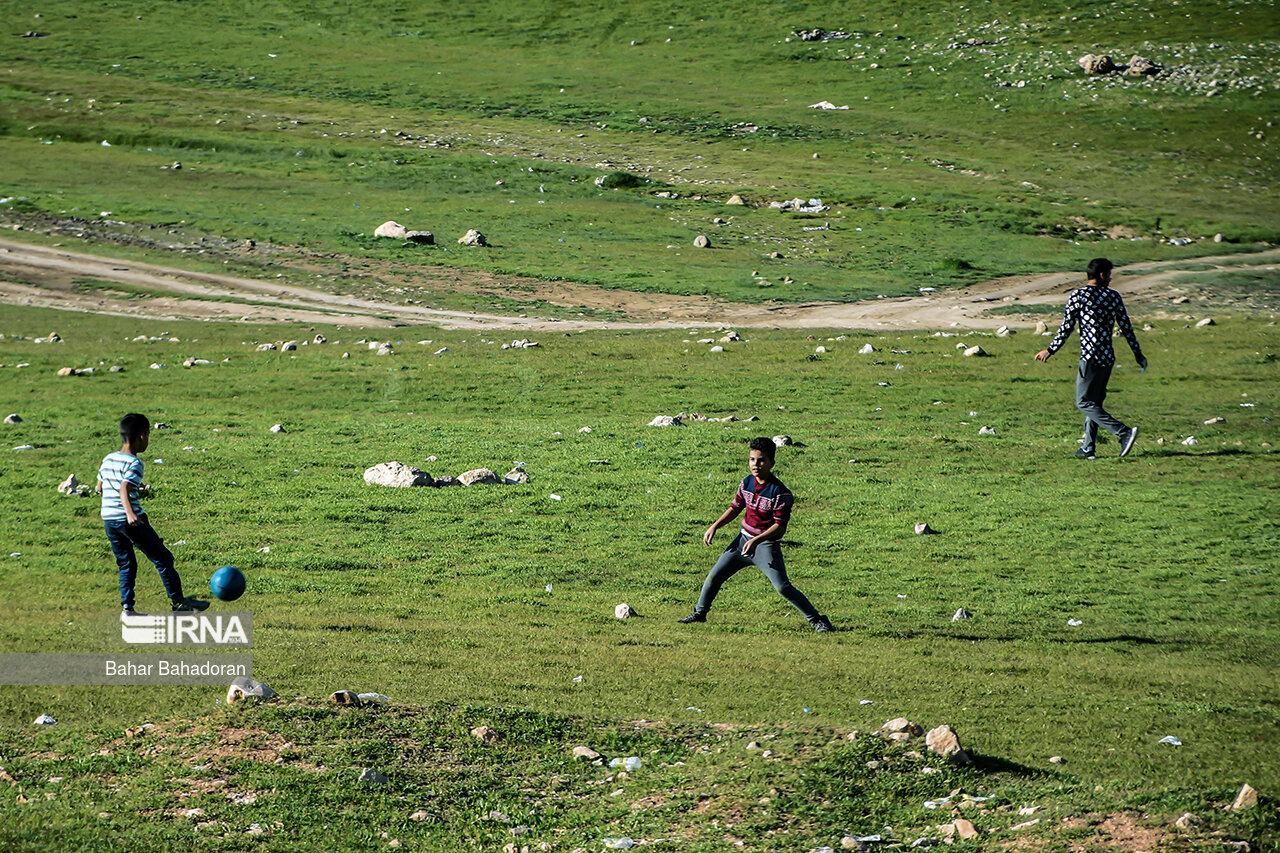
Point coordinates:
[(1091, 390), (768, 558)]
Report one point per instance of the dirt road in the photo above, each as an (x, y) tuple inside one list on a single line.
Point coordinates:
[(53, 277)]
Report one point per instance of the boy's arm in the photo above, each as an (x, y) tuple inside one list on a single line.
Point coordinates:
[(98, 488), (1126, 329), (1064, 331), (725, 517), (128, 504)]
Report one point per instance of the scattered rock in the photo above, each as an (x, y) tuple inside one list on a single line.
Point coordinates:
[(484, 734), (1005, 331), (1218, 420), (735, 199), (1057, 759), (1041, 327), (516, 477), (1246, 799), (246, 688), (624, 611), (960, 615), (986, 431), (820, 350), (867, 349), (730, 337), (944, 741), (44, 720), (585, 753), (422, 238), (319, 339), (71, 487), (702, 242), (1190, 441), (1207, 321), (975, 351), (397, 475), (479, 477), (717, 348), (473, 238), (13, 419), (965, 829), (289, 346), (1219, 238), (266, 347), (923, 529), (901, 725), (782, 441), (665, 421), (1140, 66), (1186, 821), (68, 371), (345, 698), (391, 228), (1096, 63), (372, 776), (277, 428)]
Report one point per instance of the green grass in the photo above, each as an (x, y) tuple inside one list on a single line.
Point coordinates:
[(943, 171), (437, 596)]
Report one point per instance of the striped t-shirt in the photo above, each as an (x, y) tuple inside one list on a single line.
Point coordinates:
[(765, 505), (119, 468)]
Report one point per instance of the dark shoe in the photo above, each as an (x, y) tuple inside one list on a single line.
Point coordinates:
[(1084, 454), (822, 625), (695, 616), (190, 605), (1127, 439)]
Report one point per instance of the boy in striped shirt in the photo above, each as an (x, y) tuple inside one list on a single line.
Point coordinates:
[(119, 479), (768, 509)]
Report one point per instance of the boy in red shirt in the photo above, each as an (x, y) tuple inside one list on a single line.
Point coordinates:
[(768, 509)]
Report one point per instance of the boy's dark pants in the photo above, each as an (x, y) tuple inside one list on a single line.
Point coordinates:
[(768, 558), (123, 538), (1091, 390)]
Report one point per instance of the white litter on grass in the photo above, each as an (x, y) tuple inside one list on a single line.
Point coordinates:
[(692, 708), (631, 762), (556, 498), (961, 614), (1190, 441), (179, 542), (548, 588), (157, 461), (16, 554), (577, 679), (45, 720), (442, 349), (265, 549), (25, 447), (1074, 622), (1171, 740), (865, 702), (1247, 405), (375, 698), (986, 431), (623, 843), (821, 105), (155, 365)]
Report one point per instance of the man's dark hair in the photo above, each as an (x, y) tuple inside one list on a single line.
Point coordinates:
[(765, 446), (134, 425), (1099, 269)]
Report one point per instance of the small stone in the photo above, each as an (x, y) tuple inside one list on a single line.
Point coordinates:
[(1096, 64), (701, 242), (319, 339), (484, 734), (1190, 441), (820, 350), (944, 741), (44, 720), (717, 348), (68, 371), (1207, 321), (1005, 331), (867, 349), (960, 615), (735, 199), (368, 774), (13, 419), (420, 815), (392, 229), (516, 477), (965, 829), (345, 698), (585, 753), (473, 238), (782, 441), (1029, 810), (1186, 821), (479, 477), (266, 347), (1246, 799), (289, 346), (986, 430), (1057, 759), (1041, 328), (901, 725), (975, 351), (277, 428), (923, 529), (1219, 238), (624, 611), (397, 475), (665, 421), (422, 238)]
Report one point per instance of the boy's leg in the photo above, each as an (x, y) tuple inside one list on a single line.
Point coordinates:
[(149, 543), (122, 548), (768, 556), (730, 562), (1091, 391)]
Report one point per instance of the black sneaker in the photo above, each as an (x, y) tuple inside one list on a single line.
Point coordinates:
[(695, 616), (1084, 454), (1127, 439), (822, 625), (190, 605)]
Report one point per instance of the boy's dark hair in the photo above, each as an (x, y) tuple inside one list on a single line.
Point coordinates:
[(765, 446), (1099, 269), (134, 425)]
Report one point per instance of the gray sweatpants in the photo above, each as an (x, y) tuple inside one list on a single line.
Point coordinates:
[(768, 558), (1091, 390)]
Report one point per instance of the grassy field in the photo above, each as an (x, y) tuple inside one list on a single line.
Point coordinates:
[(306, 125), (438, 597)]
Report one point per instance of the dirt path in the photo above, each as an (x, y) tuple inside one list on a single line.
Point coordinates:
[(47, 277)]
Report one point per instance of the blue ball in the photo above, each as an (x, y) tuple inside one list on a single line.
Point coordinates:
[(227, 583)]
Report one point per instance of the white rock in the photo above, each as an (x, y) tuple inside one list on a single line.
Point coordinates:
[(396, 475), (13, 419), (867, 349), (585, 429), (961, 614), (1246, 799), (624, 611), (266, 347), (1191, 441), (1207, 321), (782, 441), (368, 774), (45, 720), (441, 350), (820, 349), (986, 431), (391, 228), (277, 428), (717, 348), (289, 346), (246, 688), (665, 421), (974, 351), (1218, 420), (479, 477), (923, 529), (473, 238), (516, 477)]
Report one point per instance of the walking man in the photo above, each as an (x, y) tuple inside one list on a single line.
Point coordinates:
[(1096, 307)]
